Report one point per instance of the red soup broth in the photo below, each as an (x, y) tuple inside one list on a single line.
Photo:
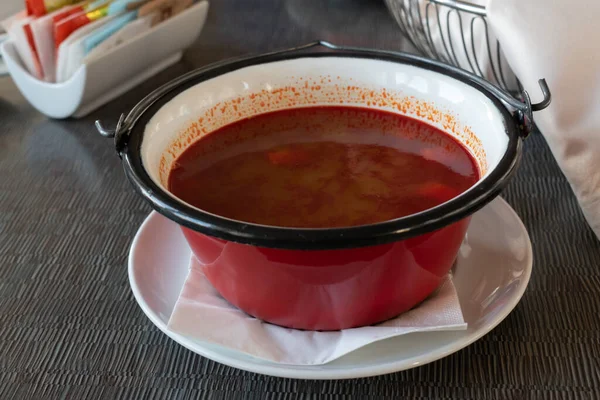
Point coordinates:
[(322, 167)]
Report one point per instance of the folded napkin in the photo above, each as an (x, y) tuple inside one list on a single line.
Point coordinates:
[(202, 314), (556, 40)]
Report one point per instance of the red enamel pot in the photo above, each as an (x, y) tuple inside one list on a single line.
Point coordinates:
[(324, 279)]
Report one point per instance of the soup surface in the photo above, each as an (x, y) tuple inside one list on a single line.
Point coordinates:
[(322, 167)]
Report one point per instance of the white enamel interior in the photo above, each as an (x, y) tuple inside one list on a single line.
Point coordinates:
[(469, 107)]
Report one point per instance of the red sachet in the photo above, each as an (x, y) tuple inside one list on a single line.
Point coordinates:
[(75, 20), (38, 8), (34, 52)]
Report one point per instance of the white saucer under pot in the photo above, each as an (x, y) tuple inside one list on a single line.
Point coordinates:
[(491, 274)]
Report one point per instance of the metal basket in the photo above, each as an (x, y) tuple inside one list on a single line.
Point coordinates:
[(456, 25)]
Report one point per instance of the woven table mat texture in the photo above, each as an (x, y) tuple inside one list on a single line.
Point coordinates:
[(71, 329)]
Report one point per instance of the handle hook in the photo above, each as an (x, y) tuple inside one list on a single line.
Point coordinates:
[(117, 133), (547, 97)]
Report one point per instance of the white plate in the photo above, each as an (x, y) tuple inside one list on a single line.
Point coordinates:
[(491, 274)]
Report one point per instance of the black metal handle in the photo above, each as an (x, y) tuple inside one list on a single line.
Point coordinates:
[(117, 133), (523, 110)]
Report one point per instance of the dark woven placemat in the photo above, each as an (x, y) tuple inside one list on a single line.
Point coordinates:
[(70, 328)]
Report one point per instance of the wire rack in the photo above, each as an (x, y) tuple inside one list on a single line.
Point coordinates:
[(457, 33)]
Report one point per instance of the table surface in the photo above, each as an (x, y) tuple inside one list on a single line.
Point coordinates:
[(71, 329)]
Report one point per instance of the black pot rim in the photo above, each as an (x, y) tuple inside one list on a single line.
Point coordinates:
[(315, 239)]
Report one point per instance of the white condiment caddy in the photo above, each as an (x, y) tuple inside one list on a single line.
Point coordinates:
[(109, 76)]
